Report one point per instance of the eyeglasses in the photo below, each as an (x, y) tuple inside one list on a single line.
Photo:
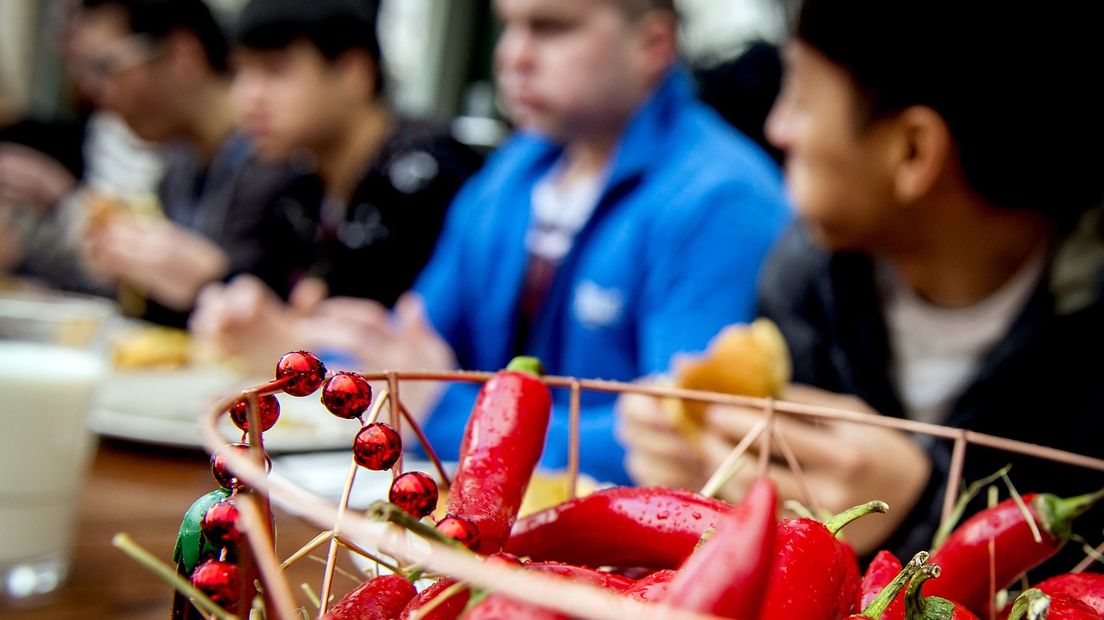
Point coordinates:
[(120, 56)]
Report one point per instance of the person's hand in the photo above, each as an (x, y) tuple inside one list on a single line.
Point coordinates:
[(30, 177), (247, 320), (167, 261), (382, 340), (656, 452), (844, 464)]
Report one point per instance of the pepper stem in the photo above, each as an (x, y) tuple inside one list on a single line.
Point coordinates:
[(1058, 513), (838, 522), (1031, 605), (914, 596), (526, 364), (889, 593)]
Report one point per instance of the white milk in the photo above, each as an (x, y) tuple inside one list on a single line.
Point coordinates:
[(45, 392)]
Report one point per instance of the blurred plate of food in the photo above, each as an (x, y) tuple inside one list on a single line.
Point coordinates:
[(159, 388)]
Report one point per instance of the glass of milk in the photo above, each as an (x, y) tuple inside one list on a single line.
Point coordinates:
[(50, 365)]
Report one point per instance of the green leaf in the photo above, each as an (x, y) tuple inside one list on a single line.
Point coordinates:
[(190, 544)]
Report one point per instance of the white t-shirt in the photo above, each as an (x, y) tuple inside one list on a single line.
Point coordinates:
[(559, 212), (938, 351)]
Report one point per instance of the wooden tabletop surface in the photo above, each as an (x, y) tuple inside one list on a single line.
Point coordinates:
[(144, 491)]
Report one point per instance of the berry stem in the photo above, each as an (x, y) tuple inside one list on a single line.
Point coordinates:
[(390, 513), (169, 575), (428, 447)]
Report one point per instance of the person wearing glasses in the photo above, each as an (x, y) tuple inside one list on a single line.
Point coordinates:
[(161, 65)]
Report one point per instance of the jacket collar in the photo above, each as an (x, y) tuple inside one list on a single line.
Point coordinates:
[(635, 151)]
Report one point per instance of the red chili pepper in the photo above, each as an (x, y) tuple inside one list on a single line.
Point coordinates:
[(502, 444), (920, 607), (500, 607), (626, 526), (726, 577), (653, 588), (892, 592), (964, 557), (882, 570), (851, 584), (1085, 587), (602, 579), (379, 598), (1034, 604), (447, 609), (808, 569)]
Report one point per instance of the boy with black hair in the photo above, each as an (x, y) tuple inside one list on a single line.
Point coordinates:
[(161, 66), (949, 267), (309, 82)]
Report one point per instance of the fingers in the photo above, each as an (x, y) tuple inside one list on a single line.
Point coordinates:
[(646, 470), (815, 444), (366, 313), (308, 294), (641, 410), (410, 315)]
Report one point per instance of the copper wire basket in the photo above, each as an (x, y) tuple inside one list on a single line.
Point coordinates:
[(341, 527)]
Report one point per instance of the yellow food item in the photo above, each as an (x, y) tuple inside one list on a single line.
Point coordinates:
[(152, 347), (546, 489), (749, 360)]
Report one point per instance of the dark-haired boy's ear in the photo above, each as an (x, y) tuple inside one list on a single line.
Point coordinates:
[(185, 54), (358, 69), (922, 151)]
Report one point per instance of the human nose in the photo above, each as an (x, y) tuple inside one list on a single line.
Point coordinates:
[(779, 125), (514, 51), (246, 91)]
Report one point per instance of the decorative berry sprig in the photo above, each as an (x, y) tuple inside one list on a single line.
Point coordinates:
[(415, 492), (347, 395)]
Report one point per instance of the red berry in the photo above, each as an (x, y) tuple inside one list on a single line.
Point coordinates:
[(377, 446), (221, 470), (303, 371), (347, 395), (269, 410), (461, 529), (219, 581), (414, 492), (503, 558), (220, 524)]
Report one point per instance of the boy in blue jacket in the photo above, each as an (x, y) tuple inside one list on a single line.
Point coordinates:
[(624, 223)]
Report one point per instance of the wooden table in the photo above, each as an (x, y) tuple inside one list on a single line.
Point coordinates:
[(144, 490)]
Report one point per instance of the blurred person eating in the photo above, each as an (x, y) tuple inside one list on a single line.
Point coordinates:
[(624, 223), (163, 65), (310, 84), (948, 266)]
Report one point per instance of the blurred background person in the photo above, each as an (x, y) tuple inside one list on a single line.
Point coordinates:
[(310, 85), (164, 68), (624, 223), (51, 164), (949, 265)]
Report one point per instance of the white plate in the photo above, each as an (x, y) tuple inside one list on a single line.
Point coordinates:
[(164, 407)]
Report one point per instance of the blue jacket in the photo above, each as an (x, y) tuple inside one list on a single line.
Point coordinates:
[(670, 255)]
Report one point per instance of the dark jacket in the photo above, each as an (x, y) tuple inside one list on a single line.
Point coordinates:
[(227, 200), (390, 227), (1038, 384)]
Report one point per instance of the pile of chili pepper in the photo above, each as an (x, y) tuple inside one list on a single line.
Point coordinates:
[(697, 554)]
